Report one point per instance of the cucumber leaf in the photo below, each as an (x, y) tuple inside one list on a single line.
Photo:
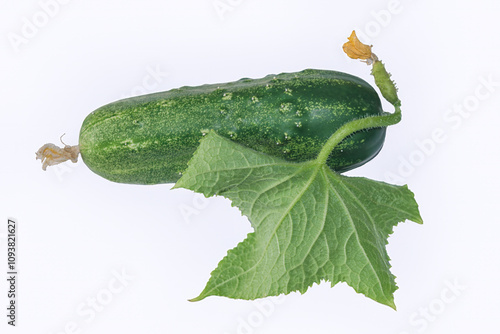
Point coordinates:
[(310, 223)]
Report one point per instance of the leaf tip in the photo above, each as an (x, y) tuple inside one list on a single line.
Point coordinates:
[(391, 304), (419, 220), (197, 299), (416, 217)]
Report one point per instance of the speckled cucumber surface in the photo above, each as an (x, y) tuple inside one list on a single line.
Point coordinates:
[(149, 139)]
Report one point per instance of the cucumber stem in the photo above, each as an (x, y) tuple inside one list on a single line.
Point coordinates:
[(354, 126), (389, 92)]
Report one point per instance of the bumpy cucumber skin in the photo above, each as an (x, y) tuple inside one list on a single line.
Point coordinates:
[(149, 139)]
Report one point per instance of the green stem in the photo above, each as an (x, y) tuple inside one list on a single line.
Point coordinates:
[(354, 126), (388, 89)]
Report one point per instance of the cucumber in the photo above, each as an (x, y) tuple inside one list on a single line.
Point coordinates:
[(149, 139)]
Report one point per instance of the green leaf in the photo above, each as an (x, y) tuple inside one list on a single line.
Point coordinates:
[(310, 223)]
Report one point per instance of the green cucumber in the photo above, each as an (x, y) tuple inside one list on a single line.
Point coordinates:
[(149, 139)]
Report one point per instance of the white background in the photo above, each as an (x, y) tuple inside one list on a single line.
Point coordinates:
[(77, 232)]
